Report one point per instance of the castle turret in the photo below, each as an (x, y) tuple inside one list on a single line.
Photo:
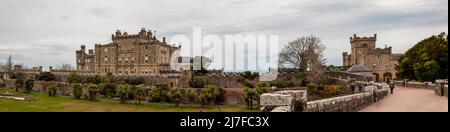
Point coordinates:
[(83, 48)]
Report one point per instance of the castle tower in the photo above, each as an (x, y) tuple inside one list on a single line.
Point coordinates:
[(360, 45)]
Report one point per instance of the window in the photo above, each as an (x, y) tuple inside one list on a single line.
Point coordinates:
[(126, 60), (106, 49), (364, 44), (120, 60), (374, 66), (146, 47), (106, 59), (146, 58), (132, 60)]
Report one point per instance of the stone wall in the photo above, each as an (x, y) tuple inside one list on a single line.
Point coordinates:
[(234, 96), (446, 91), (426, 85), (347, 75), (224, 80), (297, 101), (350, 103), (440, 87), (62, 88), (10, 83)]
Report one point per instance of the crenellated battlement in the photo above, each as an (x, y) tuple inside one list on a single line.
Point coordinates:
[(357, 38), (143, 34)]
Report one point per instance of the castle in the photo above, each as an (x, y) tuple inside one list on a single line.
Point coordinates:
[(136, 54), (380, 62)]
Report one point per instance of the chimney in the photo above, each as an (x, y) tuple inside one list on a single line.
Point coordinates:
[(149, 34), (164, 39), (91, 51), (143, 31), (118, 33)]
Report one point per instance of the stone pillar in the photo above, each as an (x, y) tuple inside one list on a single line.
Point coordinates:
[(440, 86), (446, 91)]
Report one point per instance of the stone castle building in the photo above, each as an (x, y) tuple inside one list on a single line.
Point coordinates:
[(135, 54), (380, 62)]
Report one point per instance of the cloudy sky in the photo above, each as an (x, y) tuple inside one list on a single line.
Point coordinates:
[(47, 32)]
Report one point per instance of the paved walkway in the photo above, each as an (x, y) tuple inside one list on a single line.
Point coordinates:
[(410, 100)]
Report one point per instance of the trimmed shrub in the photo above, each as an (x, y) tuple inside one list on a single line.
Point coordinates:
[(46, 76), (262, 88), (73, 78), (313, 88), (108, 90), (29, 84), (2, 85), (19, 84), (94, 79), (249, 96), (189, 95), (283, 84), (52, 89), (135, 80), (77, 91), (250, 75), (158, 93), (92, 92), (333, 90), (175, 96), (123, 92), (212, 95), (198, 82), (139, 94)]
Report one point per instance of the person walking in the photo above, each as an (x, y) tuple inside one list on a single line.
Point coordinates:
[(392, 86)]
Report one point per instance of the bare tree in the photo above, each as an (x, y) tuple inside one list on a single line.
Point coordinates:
[(306, 55), (2, 66), (8, 66)]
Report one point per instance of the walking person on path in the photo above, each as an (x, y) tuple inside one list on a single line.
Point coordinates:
[(392, 86)]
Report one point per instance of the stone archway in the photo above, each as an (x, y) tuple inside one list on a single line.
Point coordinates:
[(387, 76), (377, 77)]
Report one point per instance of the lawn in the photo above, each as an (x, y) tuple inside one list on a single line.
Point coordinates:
[(45, 103)]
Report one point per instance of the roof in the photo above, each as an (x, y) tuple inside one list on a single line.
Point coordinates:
[(358, 68)]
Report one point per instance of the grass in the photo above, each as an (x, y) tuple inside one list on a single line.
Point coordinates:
[(45, 103)]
